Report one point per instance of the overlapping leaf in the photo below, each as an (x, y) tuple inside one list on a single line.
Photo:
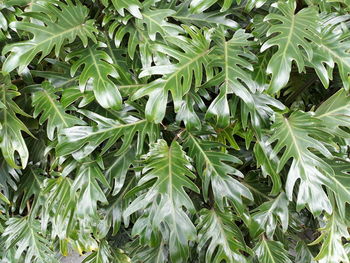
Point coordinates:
[(214, 168), (224, 237), (98, 67), (298, 135), (293, 32), (82, 140), (67, 21), (192, 54), (167, 167), (11, 139), (46, 103)]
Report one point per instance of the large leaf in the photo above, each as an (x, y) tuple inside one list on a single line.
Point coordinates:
[(46, 103), (167, 167), (235, 77), (192, 54), (224, 237), (271, 252), (293, 32), (56, 31), (98, 67), (24, 234), (299, 134), (11, 140), (82, 140), (214, 168)]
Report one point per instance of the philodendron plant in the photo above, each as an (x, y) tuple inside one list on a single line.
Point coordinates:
[(203, 131)]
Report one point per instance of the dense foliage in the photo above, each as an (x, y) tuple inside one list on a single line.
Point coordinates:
[(175, 131)]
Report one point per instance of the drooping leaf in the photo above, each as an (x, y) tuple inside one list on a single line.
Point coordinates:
[(11, 139), (168, 166), (293, 32), (214, 168), (224, 237), (299, 134)]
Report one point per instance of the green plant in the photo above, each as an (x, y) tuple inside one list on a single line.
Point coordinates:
[(175, 131)]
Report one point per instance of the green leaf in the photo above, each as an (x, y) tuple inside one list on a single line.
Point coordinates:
[(90, 192), (335, 113), (137, 38), (168, 168), (339, 183), (266, 215), (332, 250), (59, 204), (192, 54), (133, 6), (294, 31), (332, 49), (198, 6), (118, 168), (155, 20), (105, 255), (262, 153), (184, 15), (29, 187), (214, 168), (46, 103), (97, 67), (299, 134), (24, 234), (56, 31), (83, 140), (235, 77), (11, 140), (303, 253), (271, 252), (224, 237)]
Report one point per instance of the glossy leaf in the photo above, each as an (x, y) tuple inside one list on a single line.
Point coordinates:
[(293, 32)]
